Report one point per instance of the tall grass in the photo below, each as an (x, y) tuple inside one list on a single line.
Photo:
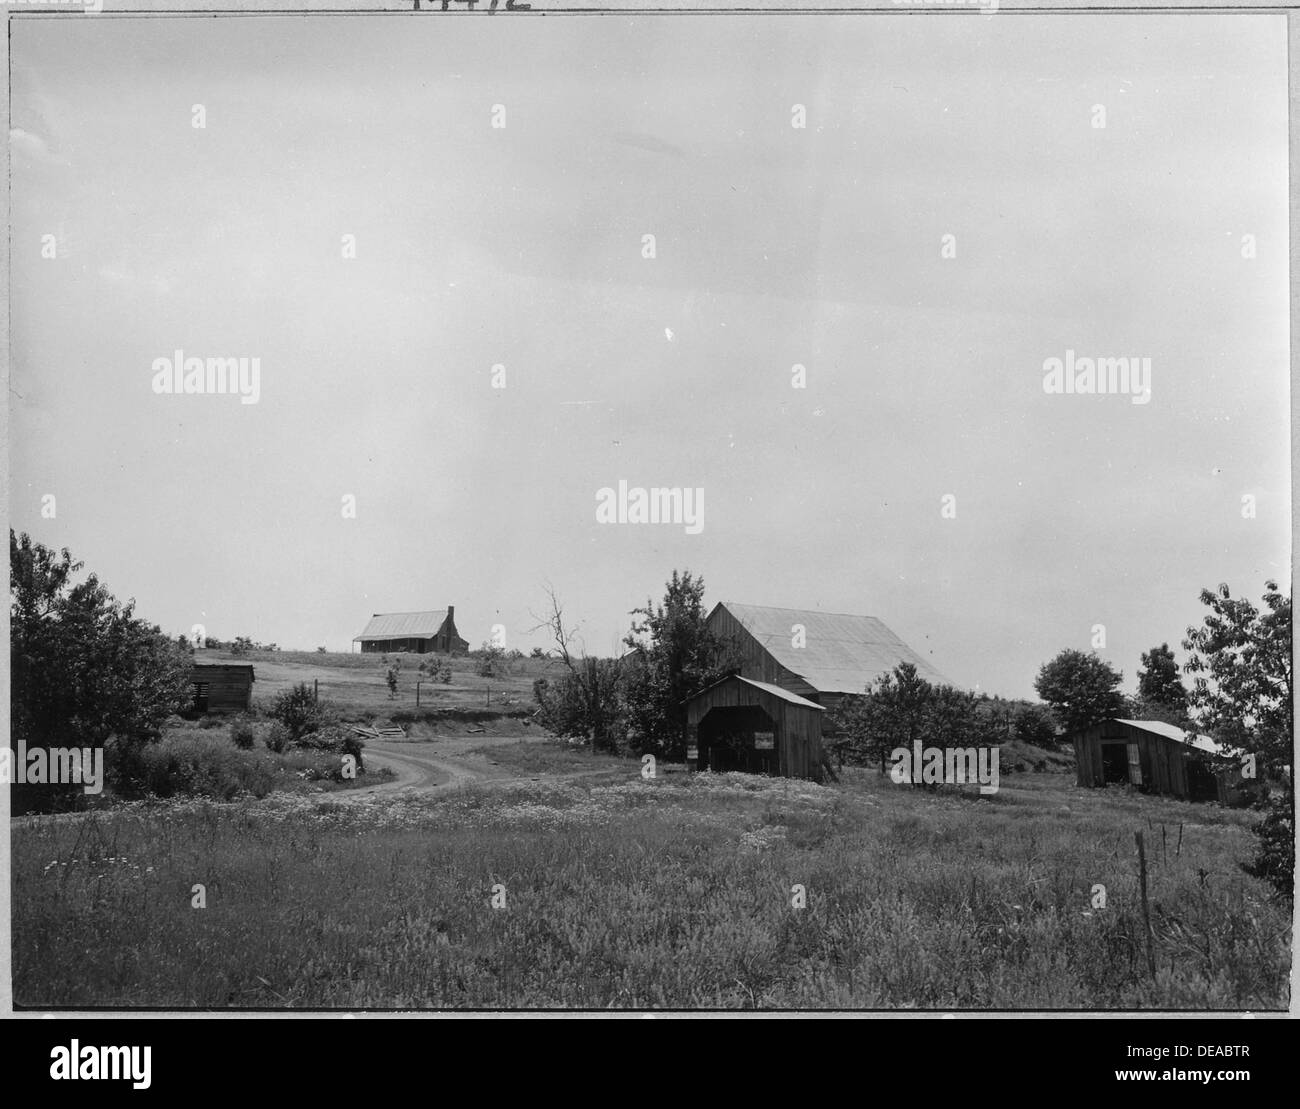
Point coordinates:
[(669, 893)]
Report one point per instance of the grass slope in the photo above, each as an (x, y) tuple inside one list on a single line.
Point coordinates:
[(668, 893)]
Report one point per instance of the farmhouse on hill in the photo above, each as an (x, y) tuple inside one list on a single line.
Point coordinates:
[(222, 686), (1159, 758), (418, 632), (794, 665)]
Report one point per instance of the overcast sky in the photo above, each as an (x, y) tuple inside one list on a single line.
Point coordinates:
[(522, 246)]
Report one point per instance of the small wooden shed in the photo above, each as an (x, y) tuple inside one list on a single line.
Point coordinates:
[(756, 727), (1158, 758), (222, 686)]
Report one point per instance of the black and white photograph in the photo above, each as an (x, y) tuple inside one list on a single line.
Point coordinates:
[(577, 509)]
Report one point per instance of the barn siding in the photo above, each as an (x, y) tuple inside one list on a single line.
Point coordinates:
[(1164, 761), (756, 663), (230, 688), (798, 729)]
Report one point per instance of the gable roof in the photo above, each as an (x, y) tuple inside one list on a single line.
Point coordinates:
[(843, 654), (404, 625), (766, 687), (1172, 731)]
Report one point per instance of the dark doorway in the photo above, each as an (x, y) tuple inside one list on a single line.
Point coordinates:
[(200, 696), (1201, 783), (736, 738), (1114, 763)]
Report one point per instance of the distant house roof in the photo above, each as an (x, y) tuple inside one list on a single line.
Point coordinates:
[(1173, 731), (842, 653), (766, 687), (404, 625)]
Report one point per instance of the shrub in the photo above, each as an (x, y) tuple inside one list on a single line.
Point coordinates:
[(241, 731), (299, 711), (278, 738), (491, 661), (204, 766), (438, 669), (1275, 851), (207, 723)]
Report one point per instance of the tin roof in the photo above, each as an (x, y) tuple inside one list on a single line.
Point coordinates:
[(841, 653), (766, 687), (404, 625), (1173, 731)]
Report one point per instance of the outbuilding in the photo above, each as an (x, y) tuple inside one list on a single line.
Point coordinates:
[(742, 724), (222, 686), (1159, 758)]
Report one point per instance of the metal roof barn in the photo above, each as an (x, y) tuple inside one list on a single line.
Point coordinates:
[(834, 653), (1160, 758)]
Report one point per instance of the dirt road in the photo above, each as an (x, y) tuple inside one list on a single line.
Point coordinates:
[(432, 762)]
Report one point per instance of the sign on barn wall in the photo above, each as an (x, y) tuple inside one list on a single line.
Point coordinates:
[(764, 741)]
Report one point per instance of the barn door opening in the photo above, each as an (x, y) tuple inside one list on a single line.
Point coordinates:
[(740, 738), (1201, 783), (1114, 763)]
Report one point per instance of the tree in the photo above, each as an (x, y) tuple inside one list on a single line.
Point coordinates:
[(1158, 681), (491, 660), (673, 655), (1242, 694), (902, 708), (585, 703), (1081, 689), (299, 711), (84, 669), (1240, 659), (1033, 724)]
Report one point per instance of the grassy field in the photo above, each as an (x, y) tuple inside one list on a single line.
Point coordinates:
[(356, 682), (677, 892)]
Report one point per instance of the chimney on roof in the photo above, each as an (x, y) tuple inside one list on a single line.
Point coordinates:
[(451, 614)]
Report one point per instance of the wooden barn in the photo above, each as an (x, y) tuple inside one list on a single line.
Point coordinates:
[(821, 656), (794, 665), (421, 633), (741, 724), (1160, 758), (222, 686)]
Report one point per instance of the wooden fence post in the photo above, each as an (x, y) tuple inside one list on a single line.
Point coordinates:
[(1146, 908)]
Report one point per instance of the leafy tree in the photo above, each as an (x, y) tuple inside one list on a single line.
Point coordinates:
[(1081, 689), (902, 708), (299, 712), (585, 703), (1033, 724), (438, 669), (673, 655), (491, 661), (84, 669), (1241, 665), (1158, 681), (1242, 694)]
